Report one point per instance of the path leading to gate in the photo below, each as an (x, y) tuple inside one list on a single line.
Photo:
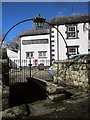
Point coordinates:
[(20, 76)]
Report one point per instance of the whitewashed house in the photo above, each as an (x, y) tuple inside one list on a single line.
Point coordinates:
[(35, 46), (75, 30), (46, 45)]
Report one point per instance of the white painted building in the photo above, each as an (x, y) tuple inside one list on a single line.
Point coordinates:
[(75, 30), (46, 45), (36, 47)]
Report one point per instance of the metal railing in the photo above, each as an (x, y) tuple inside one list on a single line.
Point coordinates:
[(18, 74)]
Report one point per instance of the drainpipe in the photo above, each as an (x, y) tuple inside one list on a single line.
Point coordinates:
[(50, 50), (57, 53)]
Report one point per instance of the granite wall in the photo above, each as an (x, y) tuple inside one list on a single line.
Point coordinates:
[(74, 71)]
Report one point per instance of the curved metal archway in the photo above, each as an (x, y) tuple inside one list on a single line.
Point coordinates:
[(14, 27), (39, 20)]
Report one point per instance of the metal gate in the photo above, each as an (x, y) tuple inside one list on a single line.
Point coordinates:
[(19, 74)]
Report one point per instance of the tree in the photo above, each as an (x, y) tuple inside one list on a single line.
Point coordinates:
[(15, 44), (3, 49)]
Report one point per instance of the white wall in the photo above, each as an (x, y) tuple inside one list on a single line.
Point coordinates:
[(82, 42), (35, 47), (11, 54), (83, 39)]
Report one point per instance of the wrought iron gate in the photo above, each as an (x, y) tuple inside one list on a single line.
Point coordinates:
[(18, 74)]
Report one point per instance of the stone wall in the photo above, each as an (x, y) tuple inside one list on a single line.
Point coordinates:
[(74, 71)]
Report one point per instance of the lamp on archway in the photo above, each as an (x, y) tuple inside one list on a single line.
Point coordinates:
[(39, 21)]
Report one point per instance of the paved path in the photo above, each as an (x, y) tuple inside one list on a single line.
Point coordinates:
[(43, 74), (20, 76)]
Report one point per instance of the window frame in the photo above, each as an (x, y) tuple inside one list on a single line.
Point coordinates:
[(72, 52), (29, 56), (43, 54), (69, 31)]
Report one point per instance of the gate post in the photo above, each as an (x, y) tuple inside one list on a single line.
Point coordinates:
[(30, 66)]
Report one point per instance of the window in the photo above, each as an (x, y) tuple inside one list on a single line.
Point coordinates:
[(73, 50), (72, 31), (42, 53), (29, 54)]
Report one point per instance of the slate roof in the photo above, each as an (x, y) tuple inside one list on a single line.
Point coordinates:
[(59, 20), (35, 32), (80, 18)]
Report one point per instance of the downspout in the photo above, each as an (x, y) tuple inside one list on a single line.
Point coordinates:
[(57, 54), (50, 49)]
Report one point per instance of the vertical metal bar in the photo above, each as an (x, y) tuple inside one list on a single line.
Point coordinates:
[(67, 52), (9, 71), (24, 71), (19, 69), (30, 67), (26, 68), (14, 72)]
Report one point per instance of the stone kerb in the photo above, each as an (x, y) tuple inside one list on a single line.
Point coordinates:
[(72, 72)]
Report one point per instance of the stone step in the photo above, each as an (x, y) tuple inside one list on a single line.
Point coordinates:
[(53, 89), (73, 90), (57, 97)]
